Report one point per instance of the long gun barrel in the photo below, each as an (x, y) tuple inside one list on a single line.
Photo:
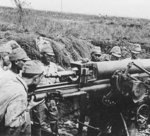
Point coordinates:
[(91, 76), (106, 69)]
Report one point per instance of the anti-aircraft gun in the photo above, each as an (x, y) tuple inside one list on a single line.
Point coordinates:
[(91, 76)]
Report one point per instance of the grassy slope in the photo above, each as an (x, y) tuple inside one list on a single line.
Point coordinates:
[(104, 31)]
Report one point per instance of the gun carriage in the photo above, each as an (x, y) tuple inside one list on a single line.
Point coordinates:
[(116, 76)]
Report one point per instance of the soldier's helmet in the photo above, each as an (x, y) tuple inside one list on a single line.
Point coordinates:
[(116, 51), (19, 54), (136, 49), (96, 50), (4, 49), (32, 67), (13, 44), (48, 50)]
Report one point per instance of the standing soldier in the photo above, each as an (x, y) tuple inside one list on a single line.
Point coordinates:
[(48, 114), (99, 116), (114, 128), (93, 108), (132, 125), (50, 68)]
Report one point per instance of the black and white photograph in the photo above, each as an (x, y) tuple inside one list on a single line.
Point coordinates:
[(74, 68)]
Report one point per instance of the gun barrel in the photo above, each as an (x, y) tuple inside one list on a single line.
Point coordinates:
[(65, 86), (62, 74), (107, 68), (76, 91), (69, 90)]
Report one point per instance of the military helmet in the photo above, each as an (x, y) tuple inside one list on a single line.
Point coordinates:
[(116, 51), (4, 49), (96, 50), (19, 54), (32, 67), (13, 44), (48, 50), (136, 48)]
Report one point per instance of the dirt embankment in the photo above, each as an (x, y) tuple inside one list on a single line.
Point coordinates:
[(67, 48), (73, 35)]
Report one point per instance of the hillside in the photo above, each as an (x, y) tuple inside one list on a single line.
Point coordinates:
[(73, 35)]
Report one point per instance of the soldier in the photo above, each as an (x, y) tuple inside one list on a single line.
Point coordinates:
[(131, 124), (14, 113), (18, 57), (115, 53), (114, 119), (99, 116), (50, 68), (96, 54), (92, 110), (48, 114), (135, 51)]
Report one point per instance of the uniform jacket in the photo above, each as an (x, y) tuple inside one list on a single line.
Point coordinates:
[(51, 69), (13, 99)]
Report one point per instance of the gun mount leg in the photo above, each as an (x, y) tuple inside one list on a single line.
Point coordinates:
[(83, 104)]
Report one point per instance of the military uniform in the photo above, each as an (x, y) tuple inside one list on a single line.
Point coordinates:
[(47, 114), (93, 108), (99, 113), (13, 105), (51, 69), (13, 97)]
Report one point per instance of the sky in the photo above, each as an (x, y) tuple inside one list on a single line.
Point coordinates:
[(124, 8)]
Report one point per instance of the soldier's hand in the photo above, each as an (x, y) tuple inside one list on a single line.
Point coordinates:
[(32, 103)]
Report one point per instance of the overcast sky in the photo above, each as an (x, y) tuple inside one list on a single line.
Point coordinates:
[(126, 8)]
